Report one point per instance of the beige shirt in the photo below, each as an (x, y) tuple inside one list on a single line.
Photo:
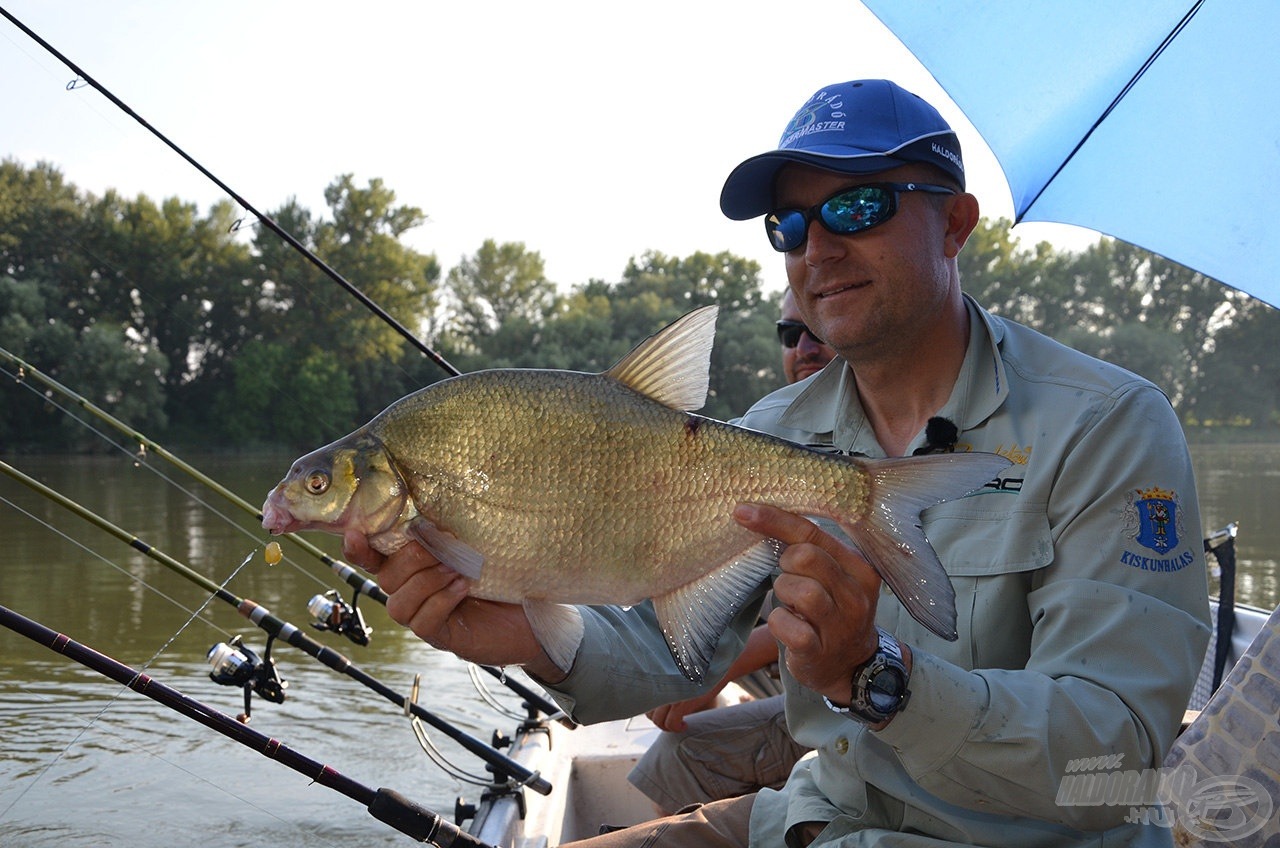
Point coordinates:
[(1083, 616)]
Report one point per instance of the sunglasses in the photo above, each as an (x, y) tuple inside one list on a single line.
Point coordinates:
[(848, 211), (789, 333)]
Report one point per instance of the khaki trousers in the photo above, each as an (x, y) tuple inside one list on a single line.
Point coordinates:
[(720, 824)]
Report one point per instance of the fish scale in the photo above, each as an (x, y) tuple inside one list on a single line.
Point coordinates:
[(552, 488)]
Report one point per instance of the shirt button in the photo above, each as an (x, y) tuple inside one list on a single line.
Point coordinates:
[(842, 745)]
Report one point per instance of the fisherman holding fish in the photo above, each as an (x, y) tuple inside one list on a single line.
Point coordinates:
[(1071, 627)]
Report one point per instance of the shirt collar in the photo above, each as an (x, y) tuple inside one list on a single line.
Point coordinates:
[(829, 407)]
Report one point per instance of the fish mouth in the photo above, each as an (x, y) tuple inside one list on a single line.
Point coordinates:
[(276, 518)]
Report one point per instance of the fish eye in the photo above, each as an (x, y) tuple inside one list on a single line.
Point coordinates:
[(317, 482)]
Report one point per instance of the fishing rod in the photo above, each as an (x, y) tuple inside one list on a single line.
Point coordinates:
[(349, 622), (343, 570), (234, 665), (385, 805), (266, 221), (329, 612)]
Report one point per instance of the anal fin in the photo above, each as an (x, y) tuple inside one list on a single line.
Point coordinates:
[(695, 616)]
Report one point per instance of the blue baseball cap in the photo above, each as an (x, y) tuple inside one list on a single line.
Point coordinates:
[(858, 127)]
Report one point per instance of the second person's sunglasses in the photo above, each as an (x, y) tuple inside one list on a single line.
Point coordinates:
[(789, 333)]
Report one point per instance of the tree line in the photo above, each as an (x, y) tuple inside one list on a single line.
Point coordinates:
[(200, 330)]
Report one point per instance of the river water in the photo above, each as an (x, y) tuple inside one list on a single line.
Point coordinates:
[(85, 762)]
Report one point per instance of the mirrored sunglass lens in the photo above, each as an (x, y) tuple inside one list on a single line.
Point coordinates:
[(857, 209), (786, 229)]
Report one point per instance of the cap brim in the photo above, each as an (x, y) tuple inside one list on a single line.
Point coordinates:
[(748, 192)]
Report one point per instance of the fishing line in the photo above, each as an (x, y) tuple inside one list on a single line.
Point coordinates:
[(341, 569), (385, 805), (93, 720), (266, 221), (353, 578), (270, 686), (140, 462), (135, 578)]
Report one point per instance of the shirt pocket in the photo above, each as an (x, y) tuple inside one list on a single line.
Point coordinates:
[(992, 546), (984, 535)]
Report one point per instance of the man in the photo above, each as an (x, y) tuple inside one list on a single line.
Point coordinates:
[(707, 752), (1082, 619), (803, 353)]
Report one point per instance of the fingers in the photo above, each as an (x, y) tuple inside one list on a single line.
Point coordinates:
[(777, 523), (433, 601), (425, 600), (827, 595), (356, 550), (666, 718), (802, 536), (397, 569)]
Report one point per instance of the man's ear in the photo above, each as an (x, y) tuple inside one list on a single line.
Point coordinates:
[(962, 217)]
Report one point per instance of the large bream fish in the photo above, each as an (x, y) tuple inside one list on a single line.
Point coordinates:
[(548, 488)]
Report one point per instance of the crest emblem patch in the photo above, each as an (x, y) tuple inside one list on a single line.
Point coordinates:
[(1153, 518)]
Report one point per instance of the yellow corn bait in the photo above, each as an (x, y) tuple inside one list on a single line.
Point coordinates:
[(273, 554)]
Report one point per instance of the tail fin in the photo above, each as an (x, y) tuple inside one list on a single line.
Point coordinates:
[(890, 537)]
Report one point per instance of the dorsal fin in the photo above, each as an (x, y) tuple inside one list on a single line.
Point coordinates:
[(673, 366)]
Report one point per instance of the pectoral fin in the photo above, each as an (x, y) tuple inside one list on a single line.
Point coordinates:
[(558, 628), (695, 616), (448, 548)]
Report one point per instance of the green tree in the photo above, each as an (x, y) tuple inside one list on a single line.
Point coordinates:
[(308, 311), (178, 281), (502, 284), (319, 405), (508, 315), (101, 362), (1020, 284), (1240, 375)]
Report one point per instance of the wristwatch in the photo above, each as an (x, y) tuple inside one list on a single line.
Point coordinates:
[(879, 684)]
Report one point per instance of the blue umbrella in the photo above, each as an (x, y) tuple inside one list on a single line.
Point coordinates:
[(1156, 122)]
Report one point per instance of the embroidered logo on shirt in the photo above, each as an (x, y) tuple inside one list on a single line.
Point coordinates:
[(1016, 454), (1152, 518)]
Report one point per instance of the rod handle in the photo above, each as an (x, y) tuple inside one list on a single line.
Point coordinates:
[(419, 822)]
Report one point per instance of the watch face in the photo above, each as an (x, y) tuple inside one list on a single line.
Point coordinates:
[(884, 690)]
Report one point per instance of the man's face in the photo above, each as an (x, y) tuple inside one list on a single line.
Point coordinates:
[(871, 294)]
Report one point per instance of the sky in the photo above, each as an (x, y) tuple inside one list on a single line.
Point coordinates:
[(590, 132)]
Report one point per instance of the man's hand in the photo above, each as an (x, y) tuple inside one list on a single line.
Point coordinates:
[(826, 598), (431, 600), (671, 716)]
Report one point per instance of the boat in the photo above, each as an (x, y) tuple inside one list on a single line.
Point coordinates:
[(588, 765)]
